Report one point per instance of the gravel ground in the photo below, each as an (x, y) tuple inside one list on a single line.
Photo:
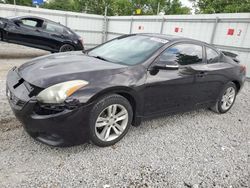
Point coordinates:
[(194, 149)]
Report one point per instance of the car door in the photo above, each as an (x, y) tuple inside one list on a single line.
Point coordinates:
[(168, 89), (26, 31), (213, 77)]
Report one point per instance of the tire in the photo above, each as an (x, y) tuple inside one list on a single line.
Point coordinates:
[(220, 106), (66, 48), (107, 113)]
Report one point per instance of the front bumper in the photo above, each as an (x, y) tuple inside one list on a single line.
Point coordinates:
[(63, 128), (79, 46)]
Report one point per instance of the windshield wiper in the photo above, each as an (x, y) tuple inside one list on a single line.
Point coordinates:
[(101, 58)]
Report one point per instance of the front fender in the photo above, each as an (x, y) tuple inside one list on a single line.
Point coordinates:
[(128, 83), (90, 95), (130, 94)]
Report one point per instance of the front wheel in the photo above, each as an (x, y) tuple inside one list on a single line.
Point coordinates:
[(66, 48), (110, 120), (226, 99)]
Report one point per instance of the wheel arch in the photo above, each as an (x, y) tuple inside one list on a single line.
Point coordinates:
[(67, 43), (237, 84), (125, 92)]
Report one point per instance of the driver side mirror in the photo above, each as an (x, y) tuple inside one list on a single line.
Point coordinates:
[(166, 65)]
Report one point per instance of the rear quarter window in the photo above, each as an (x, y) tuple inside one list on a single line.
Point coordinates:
[(51, 27), (212, 56)]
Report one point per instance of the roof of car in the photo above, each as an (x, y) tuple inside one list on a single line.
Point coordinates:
[(169, 37), (162, 36)]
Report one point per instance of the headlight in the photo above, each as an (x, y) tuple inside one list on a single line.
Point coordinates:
[(59, 92)]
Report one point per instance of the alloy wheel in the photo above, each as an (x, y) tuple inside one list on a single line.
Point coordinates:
[(228, 98), (111, 122)]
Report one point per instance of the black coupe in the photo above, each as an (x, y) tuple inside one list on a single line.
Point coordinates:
[(72, 97), (39, 33)]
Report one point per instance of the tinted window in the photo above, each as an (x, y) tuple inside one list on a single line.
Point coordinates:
[(212, 56), (32, 22), (129, 50), (55, 28), (183, 54)]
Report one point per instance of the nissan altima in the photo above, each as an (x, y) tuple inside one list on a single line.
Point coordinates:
[(96, 95)]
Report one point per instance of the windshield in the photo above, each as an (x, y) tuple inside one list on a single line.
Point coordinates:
[(130, 50)]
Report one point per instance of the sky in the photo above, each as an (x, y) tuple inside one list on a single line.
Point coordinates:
[(186, 3)]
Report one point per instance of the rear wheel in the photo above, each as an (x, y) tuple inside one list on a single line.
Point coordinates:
[(226, 99), (110, 120), (66, 48)]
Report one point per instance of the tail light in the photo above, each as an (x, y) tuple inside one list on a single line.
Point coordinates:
[(243, 69)]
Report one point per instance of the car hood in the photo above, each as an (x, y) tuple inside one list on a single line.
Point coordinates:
[(53, 69)]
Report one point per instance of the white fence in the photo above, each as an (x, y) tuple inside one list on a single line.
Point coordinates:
[(229, 32)]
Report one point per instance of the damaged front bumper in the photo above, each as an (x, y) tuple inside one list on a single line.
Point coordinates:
[(55, 125)]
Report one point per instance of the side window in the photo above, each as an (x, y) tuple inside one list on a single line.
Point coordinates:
[(212, 56), (32, 22), (183, 54), (51, 27)]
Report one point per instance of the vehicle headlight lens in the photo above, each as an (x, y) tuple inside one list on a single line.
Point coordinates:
[(59, 92)]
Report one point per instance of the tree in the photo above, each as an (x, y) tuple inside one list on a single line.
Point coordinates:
[(67, 5), (153, 6), (150, 7), (88, 6), (115, 7), (221, 6), (20, 2), (175, 7), (123, 7)]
